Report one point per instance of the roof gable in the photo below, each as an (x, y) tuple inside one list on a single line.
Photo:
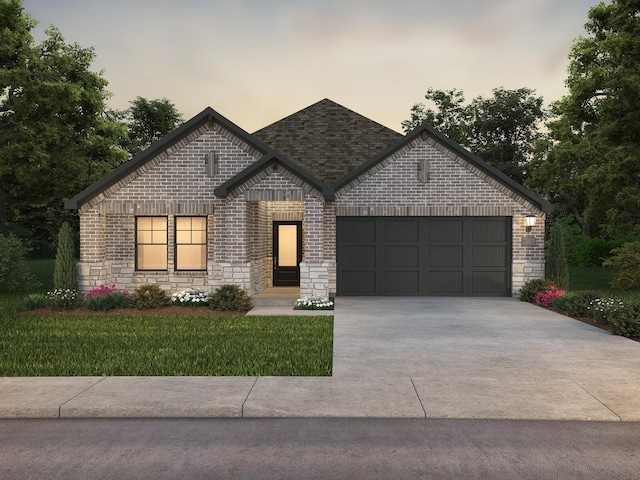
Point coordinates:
[(327, 139)]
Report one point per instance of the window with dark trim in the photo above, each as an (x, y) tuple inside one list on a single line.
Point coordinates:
[(151, 243), (191, 243)]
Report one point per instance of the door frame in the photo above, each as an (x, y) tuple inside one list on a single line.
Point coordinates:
[(291, 274)]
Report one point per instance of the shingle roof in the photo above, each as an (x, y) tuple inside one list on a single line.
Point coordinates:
[(327, 139)]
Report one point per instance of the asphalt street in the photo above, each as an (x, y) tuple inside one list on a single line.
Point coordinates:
[(317, 448)]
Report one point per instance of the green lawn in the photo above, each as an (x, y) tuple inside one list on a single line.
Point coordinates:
[(149, 345), (597, 278)]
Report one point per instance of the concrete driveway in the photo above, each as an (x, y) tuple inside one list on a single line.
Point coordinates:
[(480, 357)]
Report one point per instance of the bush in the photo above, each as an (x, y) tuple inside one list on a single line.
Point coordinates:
[(230, 298), (578, 304), (35, 301), (529, 290), (603, 309), (625, 264), (105, 290), (148, 296), (14, 273), (546, 297), (626, 321), (107, 301), (593, 251), (63, 299), (314, 303), (64, 274), (191, 297)]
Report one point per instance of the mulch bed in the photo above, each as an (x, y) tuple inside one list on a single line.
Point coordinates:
[(170, 310), (592, 322)]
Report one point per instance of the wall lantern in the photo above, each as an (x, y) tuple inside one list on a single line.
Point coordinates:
[(530, 221)]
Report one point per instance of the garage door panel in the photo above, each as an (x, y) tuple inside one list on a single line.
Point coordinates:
[(489, 283), (401, 230), (359, 231), (446, 231), (446, 283), (489, 256), (359, 283), (485, 230), (443, 256), (401, 256), (401, 283), (359, 256)]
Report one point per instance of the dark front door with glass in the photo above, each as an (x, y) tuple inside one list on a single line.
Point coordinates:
[(287, 253)]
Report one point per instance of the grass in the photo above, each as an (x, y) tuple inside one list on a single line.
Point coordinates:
[(598, 279), (150, 345)]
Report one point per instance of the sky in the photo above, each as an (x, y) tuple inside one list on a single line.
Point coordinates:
[(257, 61)]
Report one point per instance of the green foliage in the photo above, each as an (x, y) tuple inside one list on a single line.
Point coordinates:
[(625, 263), (230, 298), (557, 269), (590, 162), (591, 252), (578, 304), (502, 130), (152, 345), (63, 299), (529, 290), (56, 136), (14, 273), (148, 296), (103, 303), (64, 273), (34, 301), (626, 322), (148, 121)]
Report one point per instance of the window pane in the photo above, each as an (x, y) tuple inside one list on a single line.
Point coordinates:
[(159, 237), (199, 237), (199, 223), (287, 245), (191, 257), (159, 223), (183, 237), (183, 223), (152, 257), (144, 223), (144, 237)]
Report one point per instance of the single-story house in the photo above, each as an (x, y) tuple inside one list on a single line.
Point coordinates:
[(324, 199)]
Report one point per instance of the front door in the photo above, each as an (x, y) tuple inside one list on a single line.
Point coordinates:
[(287, 253)]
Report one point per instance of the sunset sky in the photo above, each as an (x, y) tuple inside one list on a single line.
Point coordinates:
[(256, 61)]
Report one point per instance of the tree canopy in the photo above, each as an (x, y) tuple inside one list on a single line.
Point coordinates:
[(148, 121), (55, 135), (590, 163), (502, 129)]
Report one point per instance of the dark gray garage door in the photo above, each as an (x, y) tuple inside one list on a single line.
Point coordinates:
[(467, 256)]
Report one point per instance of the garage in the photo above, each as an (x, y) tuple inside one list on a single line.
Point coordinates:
[(457, 256)]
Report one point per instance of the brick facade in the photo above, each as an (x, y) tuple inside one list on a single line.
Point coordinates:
[(176, 182)]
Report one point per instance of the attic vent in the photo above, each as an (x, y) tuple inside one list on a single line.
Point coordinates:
[(424, 171), (211, 163)]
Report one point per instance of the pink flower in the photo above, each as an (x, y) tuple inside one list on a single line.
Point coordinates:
[(547, 297), (105, 290)]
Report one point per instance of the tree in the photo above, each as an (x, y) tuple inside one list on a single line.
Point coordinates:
[(55, 137), (557, 267), (64, 273), (148, 121), (502, 130), (591, 166)]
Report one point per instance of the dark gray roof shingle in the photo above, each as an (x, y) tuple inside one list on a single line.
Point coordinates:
[(327, 139)]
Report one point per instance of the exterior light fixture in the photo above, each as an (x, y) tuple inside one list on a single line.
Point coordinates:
[(530, 221)]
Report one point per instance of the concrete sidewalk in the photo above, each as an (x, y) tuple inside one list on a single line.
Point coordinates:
[(393, 358)]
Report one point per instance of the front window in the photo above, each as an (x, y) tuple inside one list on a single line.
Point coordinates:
[(151, 243), (191, 243)]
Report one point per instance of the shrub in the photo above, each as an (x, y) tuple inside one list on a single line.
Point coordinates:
[(230, 298), (557, 267), (532, 287), (64, 274), (35, 301), (107, 301), (314, 303), (602, 309), (14, 273), (579, 304), (625, 264), (148, 296), (546, 297), (593, 251), (191, 297), (63, 299), (626, 321)]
